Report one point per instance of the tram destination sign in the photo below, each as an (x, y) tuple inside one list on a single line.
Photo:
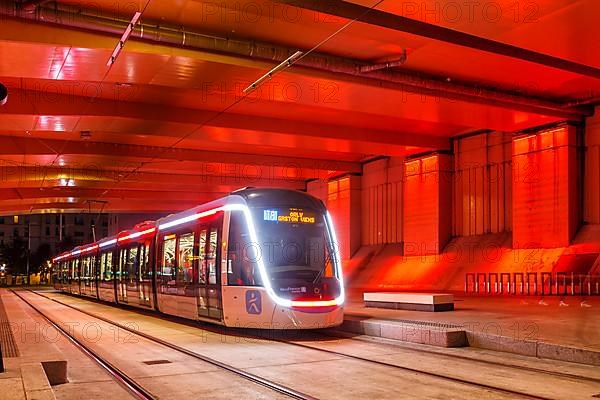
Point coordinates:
[(289, 215)]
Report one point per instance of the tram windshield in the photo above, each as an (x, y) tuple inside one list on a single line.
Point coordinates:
[(294, 245)]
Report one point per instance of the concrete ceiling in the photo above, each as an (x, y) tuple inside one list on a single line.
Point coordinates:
[(167, 125)]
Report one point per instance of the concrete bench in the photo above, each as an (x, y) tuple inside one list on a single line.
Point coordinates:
[(410, 301)]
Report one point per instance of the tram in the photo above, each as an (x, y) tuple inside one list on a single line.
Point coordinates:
[(257, 258)]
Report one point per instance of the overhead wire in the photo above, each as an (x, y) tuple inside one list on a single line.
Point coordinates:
[(242, 97), (59, 153)]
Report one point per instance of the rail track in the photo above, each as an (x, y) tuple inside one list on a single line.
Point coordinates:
[(134, 387), (269, 336)]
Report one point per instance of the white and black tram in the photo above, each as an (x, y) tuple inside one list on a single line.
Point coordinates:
[(259, 258)]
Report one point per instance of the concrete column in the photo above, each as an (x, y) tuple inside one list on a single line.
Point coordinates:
[(342, 196), (546, 191), (427, 204), (482, 184), (591, 175), (318, 188), (381, 188), (343, 202)]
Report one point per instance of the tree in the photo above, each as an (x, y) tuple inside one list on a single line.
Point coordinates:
[(39, 257), (16, 256)]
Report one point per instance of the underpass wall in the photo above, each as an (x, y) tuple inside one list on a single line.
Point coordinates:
[(552, 218)]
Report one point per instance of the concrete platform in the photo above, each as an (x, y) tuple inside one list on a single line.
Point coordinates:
[(302, 368), (35, 367), (410, 301), (520, 325)]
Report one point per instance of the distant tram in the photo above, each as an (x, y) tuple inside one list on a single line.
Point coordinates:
[(258, 258)]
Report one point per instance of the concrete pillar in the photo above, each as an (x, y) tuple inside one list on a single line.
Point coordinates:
[(546, 188), (482, 184), (381, 188), (343, 202), (427, 204), (342, 197), (318, 188), (591, 175)]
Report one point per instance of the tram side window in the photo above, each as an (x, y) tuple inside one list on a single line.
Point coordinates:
[(123, 257), (106, 266), (185, 262), (133, 268), (93, 269), (202, 265), (86, 268), (241, 254), (168, 258), (211, 257), (145, 269)]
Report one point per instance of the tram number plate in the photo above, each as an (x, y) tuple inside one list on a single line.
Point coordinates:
[(253, 302)]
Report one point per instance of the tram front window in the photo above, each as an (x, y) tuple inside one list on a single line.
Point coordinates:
[(294, 246)]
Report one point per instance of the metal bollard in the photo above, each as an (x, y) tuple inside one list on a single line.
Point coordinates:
[(1, 360)]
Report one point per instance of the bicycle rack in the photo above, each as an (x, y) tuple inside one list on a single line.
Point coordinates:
[(477, 281), (535, 282), (527, 283), (546, 277), (580, 281), (472, 281), (507, 276), (489, 282), (558, 276), (521, 282)]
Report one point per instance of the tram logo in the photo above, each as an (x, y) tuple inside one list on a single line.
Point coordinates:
[(253, 302)]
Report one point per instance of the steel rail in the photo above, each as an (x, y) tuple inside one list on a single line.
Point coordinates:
[(246, 375), (415, 370), (341, 335), (121, 377)]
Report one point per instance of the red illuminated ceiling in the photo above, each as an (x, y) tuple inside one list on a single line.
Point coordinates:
[(165, 128)]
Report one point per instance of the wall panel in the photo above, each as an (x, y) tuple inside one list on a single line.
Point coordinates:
[(481, 188), (382, 201), (427, 204), (344, 205), (592, 170), (546, 189)]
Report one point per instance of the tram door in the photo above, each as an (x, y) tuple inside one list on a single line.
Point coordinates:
[(146, 275), (85, 276), (134, 283), (122, 276), (132, 268), (75, 268), (139, 284), (209, 275)]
